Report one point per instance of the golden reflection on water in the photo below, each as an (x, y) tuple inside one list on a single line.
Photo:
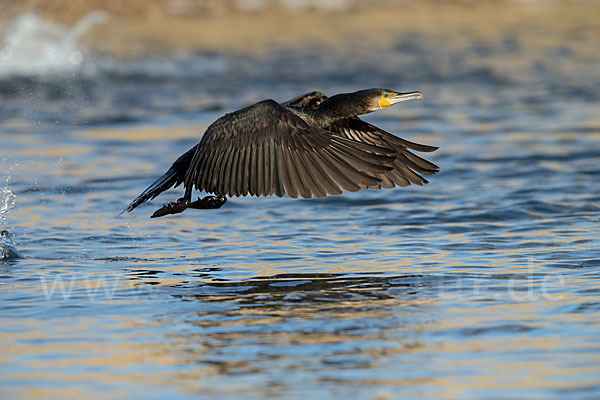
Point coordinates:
[(148, 133), (79, 346), (413, 320)]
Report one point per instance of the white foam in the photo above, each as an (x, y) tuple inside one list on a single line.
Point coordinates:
[(35, 47)]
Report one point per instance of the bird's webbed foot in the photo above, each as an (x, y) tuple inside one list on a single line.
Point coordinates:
[(172, 208), (208, 202)]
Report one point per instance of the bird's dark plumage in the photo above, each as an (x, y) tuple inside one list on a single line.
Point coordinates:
[(310, 146)]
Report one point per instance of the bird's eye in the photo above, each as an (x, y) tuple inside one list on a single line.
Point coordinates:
[(386, 95)]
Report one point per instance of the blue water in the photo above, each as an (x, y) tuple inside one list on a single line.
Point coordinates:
[(483, 284)]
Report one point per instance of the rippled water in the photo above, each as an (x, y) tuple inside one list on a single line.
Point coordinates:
[(482, 284)]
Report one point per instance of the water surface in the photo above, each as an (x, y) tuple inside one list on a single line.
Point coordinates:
[(482, 284)]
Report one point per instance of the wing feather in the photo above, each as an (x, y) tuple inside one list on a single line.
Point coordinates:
[(252, 171), (269, 157), (246, 170), (278, 170), (213, 176), (239, 177), (260, 170), (305, 184), (225, 172), (314, 178), (330, 185), (289, 174), (331, 167)]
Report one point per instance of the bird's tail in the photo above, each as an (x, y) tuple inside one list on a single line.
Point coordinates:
[(172, 178)]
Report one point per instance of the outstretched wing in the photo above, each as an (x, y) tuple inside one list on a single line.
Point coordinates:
[(266, 149), (407, 166)]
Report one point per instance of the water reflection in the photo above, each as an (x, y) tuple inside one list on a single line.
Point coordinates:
[(383, 332), (332, 322)]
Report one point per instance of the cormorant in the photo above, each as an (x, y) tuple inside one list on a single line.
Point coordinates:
[(309, 146)]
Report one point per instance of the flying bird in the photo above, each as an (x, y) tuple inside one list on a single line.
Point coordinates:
[(310, 146)]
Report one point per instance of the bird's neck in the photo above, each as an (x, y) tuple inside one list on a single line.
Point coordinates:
[(331, 110)]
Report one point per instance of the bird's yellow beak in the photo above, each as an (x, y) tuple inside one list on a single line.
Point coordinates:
[(392, 98)]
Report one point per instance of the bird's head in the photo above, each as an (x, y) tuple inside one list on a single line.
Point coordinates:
[(345, 105), (376, 99), (369, 100)]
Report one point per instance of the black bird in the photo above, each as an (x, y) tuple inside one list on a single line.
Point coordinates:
[(309, 146)]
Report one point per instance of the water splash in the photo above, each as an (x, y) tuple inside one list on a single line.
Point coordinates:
[(8, 250), (35, 47), (7, 202)]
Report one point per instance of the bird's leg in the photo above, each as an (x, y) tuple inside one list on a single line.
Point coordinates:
[(172, 208), (175, 207), (208, 202)]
